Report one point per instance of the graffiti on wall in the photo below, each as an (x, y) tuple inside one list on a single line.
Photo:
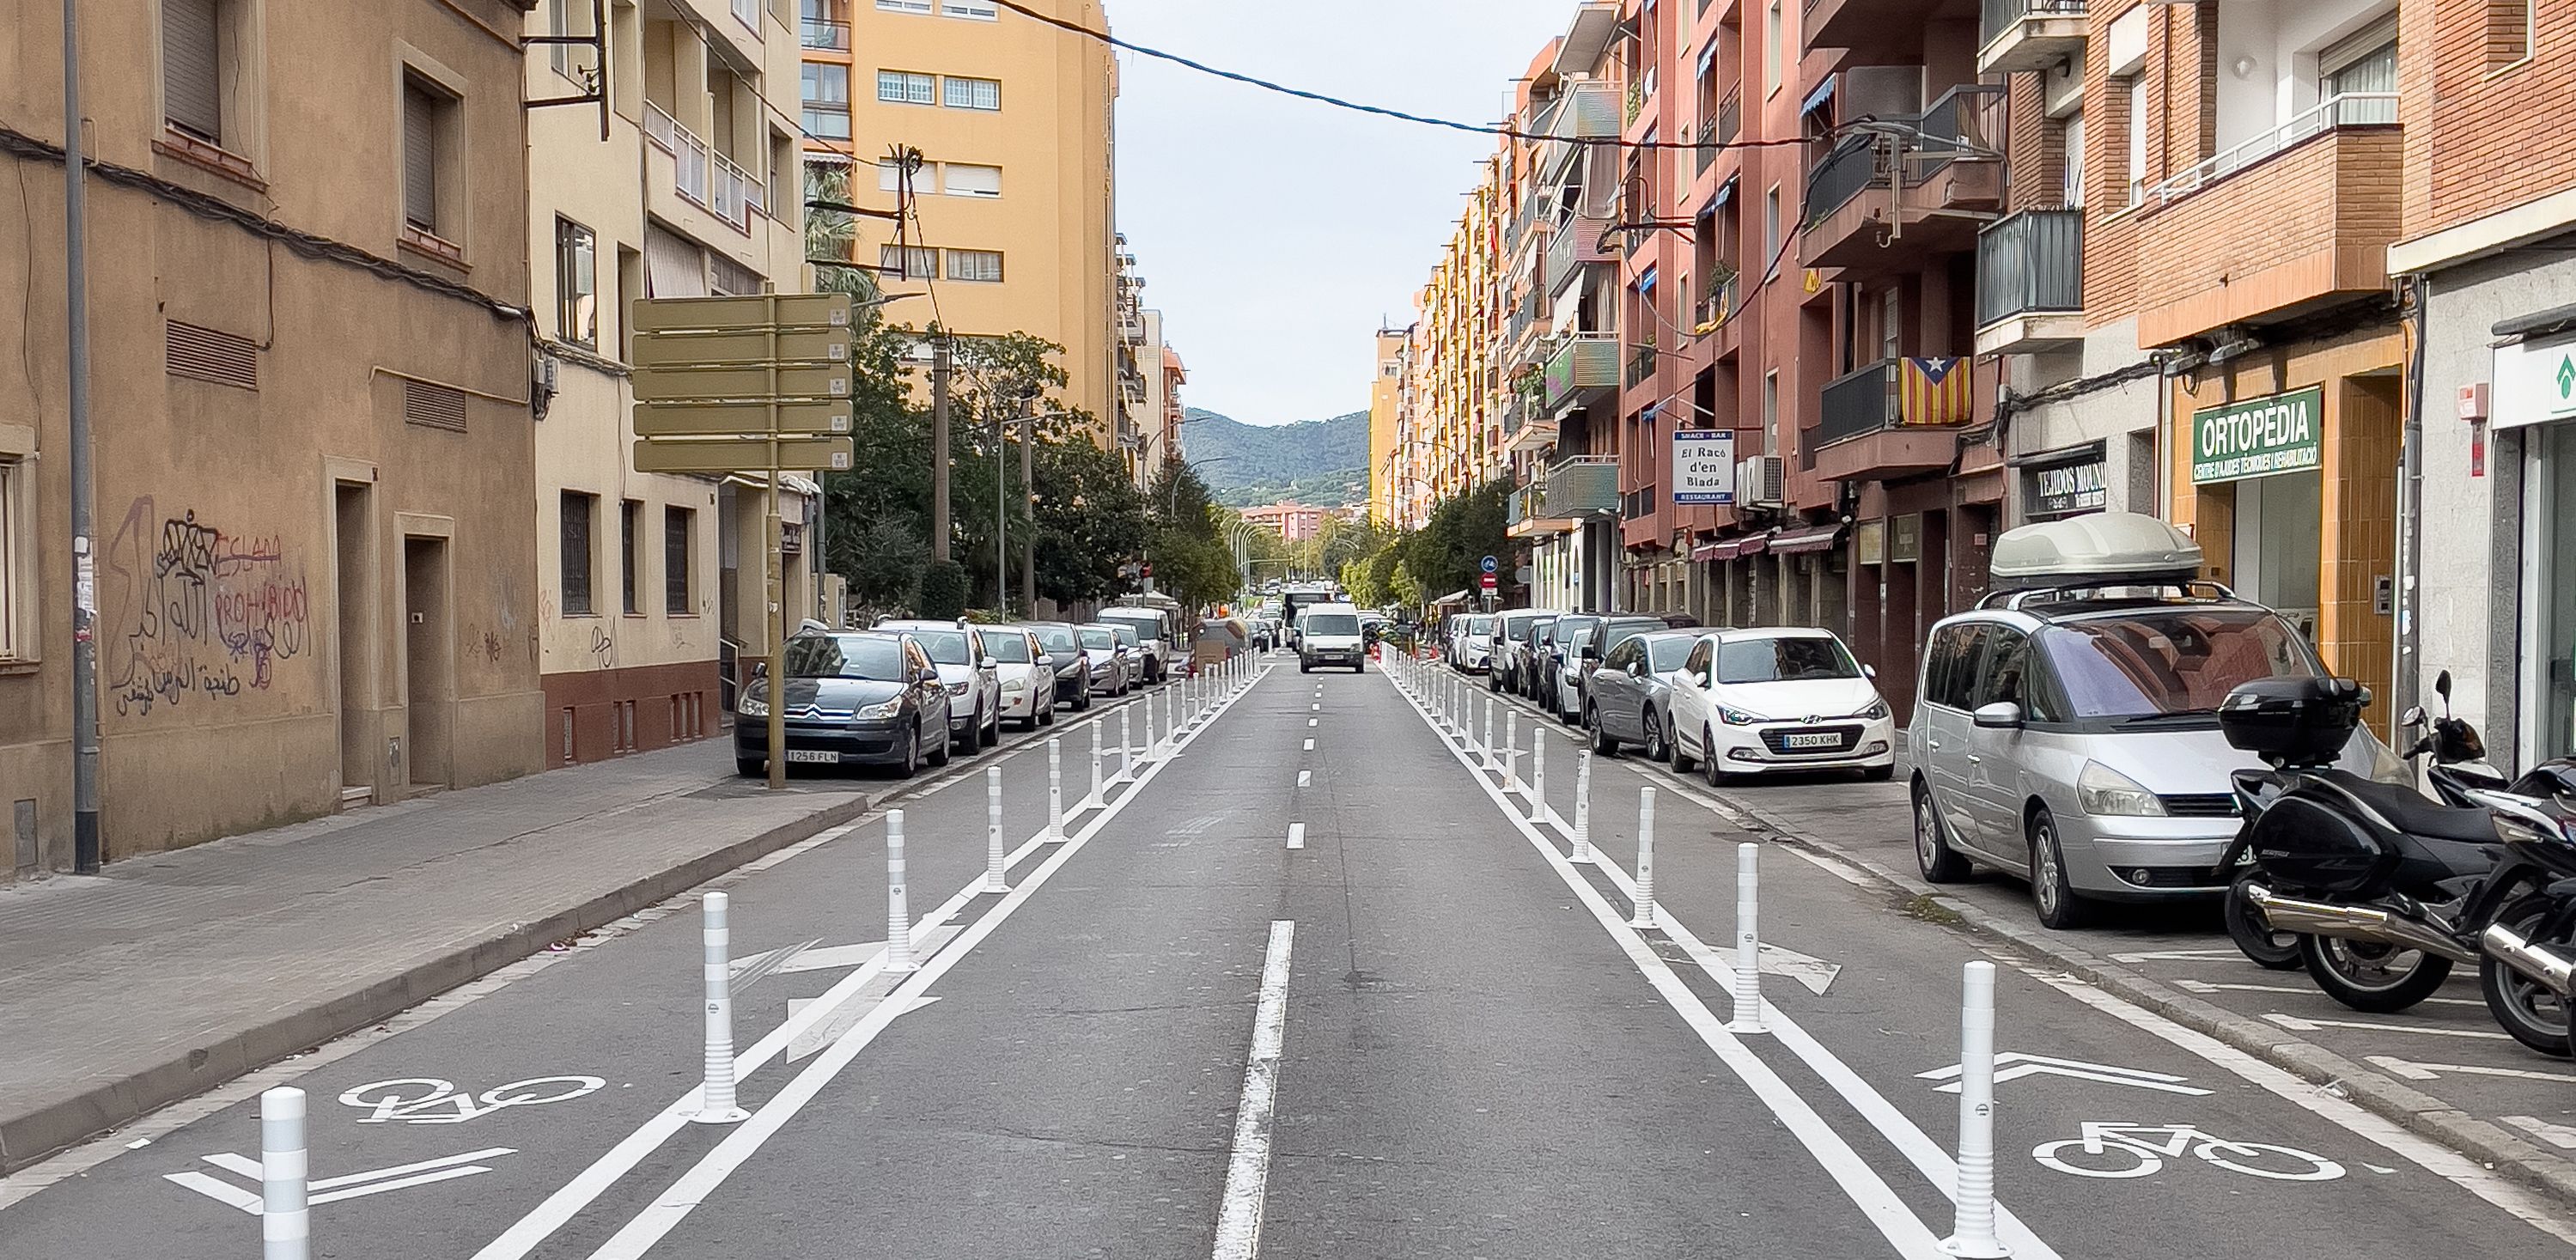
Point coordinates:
[(202, 612)]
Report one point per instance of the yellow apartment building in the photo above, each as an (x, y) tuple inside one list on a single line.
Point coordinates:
[(645, 578), (1015, 195)]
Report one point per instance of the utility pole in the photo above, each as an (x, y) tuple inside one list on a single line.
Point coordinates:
[(86, 842), (1002, 513), (1029, 506), (939, 369)]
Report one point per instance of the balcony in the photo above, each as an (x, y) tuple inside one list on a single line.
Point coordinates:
[(1874, 32), (1589, 110), (1713, 316), (1581, 368), (2029, 34), (1864, 433), (703, 177), (2030, 283), (1575, 245), (1883, 202), (2294, 220), (819, 33), (1584, 485)]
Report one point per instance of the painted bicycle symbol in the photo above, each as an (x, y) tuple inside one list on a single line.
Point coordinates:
[(428, 1100), (2115, 1150)]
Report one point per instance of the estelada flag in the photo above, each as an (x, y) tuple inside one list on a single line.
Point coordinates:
[(1933, 391)]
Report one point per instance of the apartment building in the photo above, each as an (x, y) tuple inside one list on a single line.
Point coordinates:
[(1136, 360), (2486, 245), (651, 587), (309, 371), (1015, 194), (1386, 418), (1292, 522), (1159, 417)]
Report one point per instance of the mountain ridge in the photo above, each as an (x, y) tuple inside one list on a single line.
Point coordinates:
[(1322, 463)]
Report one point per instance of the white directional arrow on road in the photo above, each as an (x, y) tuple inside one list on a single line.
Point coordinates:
[(2427, 1071), (1815, 973), (2012, 1066)]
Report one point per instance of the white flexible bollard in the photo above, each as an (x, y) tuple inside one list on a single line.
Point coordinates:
[(898, 953), (1094, 800), (1491, 761), (1972, 1235), (1582, 804), (1538, 774), (1126, 750), (1512, 751), (1055, 789), (285, 1221), (1166, 716), (1748, 940), (1645, 917), (996, 873), (716, 1104)]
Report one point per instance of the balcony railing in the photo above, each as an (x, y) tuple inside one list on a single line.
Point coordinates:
[(2351, 109), (1730, 115), (1999, 16), (703, 177), (1863, 402), (1585, 485), (1707, 151), (2030, 262), (1716, 306), (819, 33), (1851, 167), (1967, 120), (1641, 366), (1583, 361)]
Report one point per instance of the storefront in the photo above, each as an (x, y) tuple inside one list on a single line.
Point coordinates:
[(2286, 474), (2062, 483), (2535, 410)]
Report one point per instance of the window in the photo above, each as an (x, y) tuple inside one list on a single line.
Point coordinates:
[(2137, 139), (2363, 66), (980, 266), (17, 566), (904, 6), (2508, 31), (580, 513), (827, 100), (679, 546), (903, 87), (890, 176), (1775, 50), (1770, 229), (979, 10), (576, 284), (1784, 659), (1891, 324), (629, 560), (967, 180), (426, 118), (192, 86), (2000, 680), (915, 263), (570, 60), (1697, 664), (973, 94), (2071, 175), (1771, 413)]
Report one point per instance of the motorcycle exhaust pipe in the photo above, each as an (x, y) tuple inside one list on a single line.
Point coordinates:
[(2539, 963), (2355, 923)]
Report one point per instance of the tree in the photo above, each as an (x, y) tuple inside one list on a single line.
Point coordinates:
[(883, 561), (943, 591), (1090, 519)]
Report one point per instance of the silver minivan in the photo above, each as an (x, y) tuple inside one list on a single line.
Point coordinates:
[(2068, 733)]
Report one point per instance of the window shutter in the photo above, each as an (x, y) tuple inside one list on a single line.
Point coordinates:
[(420, 158), (191, 89)]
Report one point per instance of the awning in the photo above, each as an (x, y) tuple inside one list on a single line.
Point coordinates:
[(1790, 542), (1646, 281), (1732, 548), (1700, 555), (1725, 193), (1817, 99)]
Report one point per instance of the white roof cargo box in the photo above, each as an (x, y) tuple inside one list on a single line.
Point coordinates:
[(2105, 548)]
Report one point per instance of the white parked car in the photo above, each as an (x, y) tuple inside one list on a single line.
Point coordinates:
[(1779, 698), (971, 675), (1027, 671)]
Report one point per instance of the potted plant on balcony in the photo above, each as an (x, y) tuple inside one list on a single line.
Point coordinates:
[(1716, 305)]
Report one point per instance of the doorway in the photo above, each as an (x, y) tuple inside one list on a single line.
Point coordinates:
[(2549, 594), (353, 585), (2278, 536), (427, 665)]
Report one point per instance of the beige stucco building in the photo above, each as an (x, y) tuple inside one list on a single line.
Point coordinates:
[(1015, 200), (696, 190), (313, 442)]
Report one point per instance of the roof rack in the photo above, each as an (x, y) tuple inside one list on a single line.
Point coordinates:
[(2013, 600)]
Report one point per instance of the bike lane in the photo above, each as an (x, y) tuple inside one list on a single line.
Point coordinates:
[(432, 1134), (2177, 1122)]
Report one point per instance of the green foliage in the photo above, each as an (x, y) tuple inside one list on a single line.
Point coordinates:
[(1446, 553), (1346, 487), (943, 591), (883, 561), (1275, 457), (1090, 520)]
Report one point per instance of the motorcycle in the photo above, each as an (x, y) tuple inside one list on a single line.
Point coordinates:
[(2527, 953)]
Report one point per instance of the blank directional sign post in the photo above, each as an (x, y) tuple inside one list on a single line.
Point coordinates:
[(743, 384)]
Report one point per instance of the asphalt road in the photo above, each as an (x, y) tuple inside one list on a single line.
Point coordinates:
[(1296, 1001)]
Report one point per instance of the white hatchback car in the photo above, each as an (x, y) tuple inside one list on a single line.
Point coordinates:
[(1779, 698), (972, 676)]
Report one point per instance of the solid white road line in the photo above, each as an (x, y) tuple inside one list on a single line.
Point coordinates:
[(1297, 835), (1866, 1189), (1247, 1175), (709, 1173)]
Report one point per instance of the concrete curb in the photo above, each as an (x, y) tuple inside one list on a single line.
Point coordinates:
[(57, 1126), (2374, 1091)]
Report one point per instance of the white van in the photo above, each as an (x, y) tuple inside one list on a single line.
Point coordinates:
[(1329, 634)]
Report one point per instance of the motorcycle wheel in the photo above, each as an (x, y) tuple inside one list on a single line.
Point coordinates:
[(2273, 951), (2526, 1008), (2372, 977)]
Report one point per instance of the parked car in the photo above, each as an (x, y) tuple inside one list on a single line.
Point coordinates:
[(1153, 633), (851, 698), (1779, 698), (1562, 667), (1471, 642), (1027, 673), (2066, 728), (1511, 638), (1595, 641), (1630, 695), (1332, 636), (1539, 658), (973, 677), (1063, 642), (1112, 664)]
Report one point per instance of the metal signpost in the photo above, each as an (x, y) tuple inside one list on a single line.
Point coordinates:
[(746, 385)]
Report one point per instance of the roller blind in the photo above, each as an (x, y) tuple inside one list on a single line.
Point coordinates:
[(191, 87), (420, 157)]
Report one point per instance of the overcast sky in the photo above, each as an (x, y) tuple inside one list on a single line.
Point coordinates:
[(1275, 234)]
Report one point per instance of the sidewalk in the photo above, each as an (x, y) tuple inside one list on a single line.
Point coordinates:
[(170, 974)]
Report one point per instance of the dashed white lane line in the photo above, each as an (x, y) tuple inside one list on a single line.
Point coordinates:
[(1305, 778), (1247, 1174), (1310, 745), (1297, 835)]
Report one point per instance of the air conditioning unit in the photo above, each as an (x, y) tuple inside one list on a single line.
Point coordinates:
[(1757, 481)]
